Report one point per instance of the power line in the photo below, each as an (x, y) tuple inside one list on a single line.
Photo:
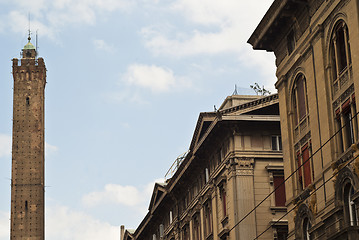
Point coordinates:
[(250, 212), (325, 182)]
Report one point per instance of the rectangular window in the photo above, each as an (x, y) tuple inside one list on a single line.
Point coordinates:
[(171, 217), (207, 175), (196, 227), (223, 200), (280, 191), (282, 233), (300, 169), (208, 218), (185, 232), (348, 127), (276, 143)]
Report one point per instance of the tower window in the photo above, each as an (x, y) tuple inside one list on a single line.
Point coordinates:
[(27, 101)]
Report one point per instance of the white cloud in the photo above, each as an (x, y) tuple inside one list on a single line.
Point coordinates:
[(49, 149), (126, 95), (232, 20), (102, 45), (157, 79), (195, 43), (50, 17), (4, 225), (217, 27), (113, 193), (63, 223), (5, 145), (130, 196)]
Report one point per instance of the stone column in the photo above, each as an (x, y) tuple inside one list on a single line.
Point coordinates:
[(245, 197)]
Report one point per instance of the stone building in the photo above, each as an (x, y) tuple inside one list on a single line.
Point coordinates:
[(316, 45), (233, 163), (27, 178)]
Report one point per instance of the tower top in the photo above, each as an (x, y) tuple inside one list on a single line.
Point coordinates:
[(29, 45), (29, 50)]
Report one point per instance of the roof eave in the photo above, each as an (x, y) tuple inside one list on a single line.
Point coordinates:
[(257, 39)]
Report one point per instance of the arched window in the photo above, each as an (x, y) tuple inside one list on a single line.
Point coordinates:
[(306, 227), (344, 104), (300, 106), (301, 129), (340, 56), (349, 206)]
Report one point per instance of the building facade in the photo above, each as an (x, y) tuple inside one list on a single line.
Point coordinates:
[(234, 162), (27, 178), (316, 45)]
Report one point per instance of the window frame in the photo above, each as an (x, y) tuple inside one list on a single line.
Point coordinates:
[(300, 109), (304, 161), (277, 139), (349, 205), (340, 56), (346, 124), (208, 222)]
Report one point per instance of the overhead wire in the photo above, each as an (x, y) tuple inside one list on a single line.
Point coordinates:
[(314, 191), (296, 170)]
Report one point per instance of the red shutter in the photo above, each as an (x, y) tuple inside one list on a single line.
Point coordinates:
[(280, 192), (306, 166), (345, 106)]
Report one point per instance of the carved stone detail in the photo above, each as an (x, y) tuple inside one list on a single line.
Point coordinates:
[(245, 165)]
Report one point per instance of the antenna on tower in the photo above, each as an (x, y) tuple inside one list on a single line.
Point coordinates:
[(36, 43), (29, 38)]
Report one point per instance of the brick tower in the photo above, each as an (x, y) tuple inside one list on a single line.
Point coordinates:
[(27, 185)]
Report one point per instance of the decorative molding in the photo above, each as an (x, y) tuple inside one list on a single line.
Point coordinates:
[(302, 141), (245, 166), (343, 97), (313, 204), (250, 104)]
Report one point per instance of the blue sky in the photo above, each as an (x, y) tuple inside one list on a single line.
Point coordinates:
[(126, 82)]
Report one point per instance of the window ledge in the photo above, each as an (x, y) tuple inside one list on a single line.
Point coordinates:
[(278, 209), (224, 221), (209, 236)]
